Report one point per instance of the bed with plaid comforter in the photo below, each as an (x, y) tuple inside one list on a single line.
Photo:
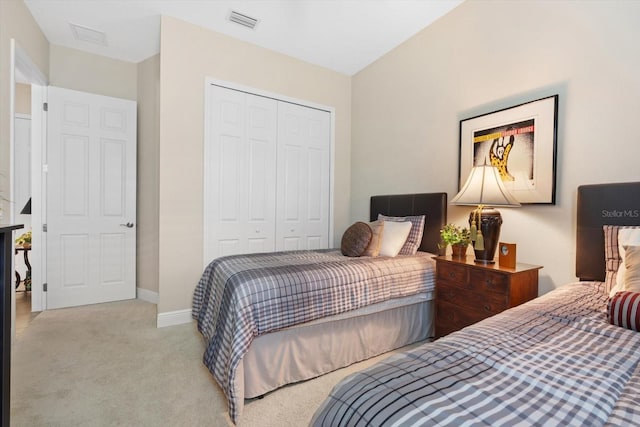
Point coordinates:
[(243, 296), (553, 361)]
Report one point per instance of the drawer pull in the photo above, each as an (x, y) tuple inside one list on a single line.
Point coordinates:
[(487, 308), (452, 274)]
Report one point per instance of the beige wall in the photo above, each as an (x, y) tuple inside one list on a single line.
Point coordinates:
[(485, 56), (22, 98), (77, 70), (188, 55), (15, 22), (148, 183)]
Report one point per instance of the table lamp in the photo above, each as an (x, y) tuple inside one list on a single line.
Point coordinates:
[(484, 189)]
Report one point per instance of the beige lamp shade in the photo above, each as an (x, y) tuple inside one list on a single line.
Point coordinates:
[(484, 187)]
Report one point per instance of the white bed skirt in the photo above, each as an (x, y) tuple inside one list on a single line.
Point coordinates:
[(315, 348)]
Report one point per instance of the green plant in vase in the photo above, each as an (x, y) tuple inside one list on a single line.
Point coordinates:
[(456, 236), (24, 239)]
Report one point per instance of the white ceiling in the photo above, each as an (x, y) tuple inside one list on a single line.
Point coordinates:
[(342, 35)]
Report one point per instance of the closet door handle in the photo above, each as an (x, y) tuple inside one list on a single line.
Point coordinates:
[(128, 225)]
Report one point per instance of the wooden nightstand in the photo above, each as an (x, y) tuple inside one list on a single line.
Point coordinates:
[(467, 292)]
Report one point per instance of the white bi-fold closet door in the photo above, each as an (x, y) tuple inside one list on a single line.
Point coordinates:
[(267, 174)]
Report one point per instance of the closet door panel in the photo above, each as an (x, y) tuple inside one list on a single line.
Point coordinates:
[(240, 174), (318, 180), (314, 185), (303, 177), (260, 224), (316, 208), (292, 243), (292, 183), (290, 179), (231, 182), (260, 204), (228, 150), (289, 210), (261, 169)]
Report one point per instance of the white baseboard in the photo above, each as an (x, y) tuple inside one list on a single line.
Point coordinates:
[(147, 295), (172, 318)]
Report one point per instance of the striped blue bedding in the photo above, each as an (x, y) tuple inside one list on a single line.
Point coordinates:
[(554, 361)]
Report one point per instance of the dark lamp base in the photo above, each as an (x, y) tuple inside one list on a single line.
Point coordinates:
[(490, 224)]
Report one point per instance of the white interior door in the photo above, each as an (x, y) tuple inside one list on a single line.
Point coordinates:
[(91, 198), (240, 153), (304, 156)]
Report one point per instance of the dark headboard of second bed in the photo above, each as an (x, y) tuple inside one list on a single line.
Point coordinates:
[(432, 205), (598, 205)]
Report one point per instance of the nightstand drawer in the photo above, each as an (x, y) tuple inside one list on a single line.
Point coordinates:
[(489, 281), (453, 273), (450, 318), (488, 303)]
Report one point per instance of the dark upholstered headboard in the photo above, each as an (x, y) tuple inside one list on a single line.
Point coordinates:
[(432, 205), (598, 205)]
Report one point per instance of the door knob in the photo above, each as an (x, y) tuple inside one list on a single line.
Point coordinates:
[(128, 225)]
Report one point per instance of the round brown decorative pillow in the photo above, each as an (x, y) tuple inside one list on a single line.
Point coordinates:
[(356, 239)]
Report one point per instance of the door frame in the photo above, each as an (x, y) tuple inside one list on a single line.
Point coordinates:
[(38, 197), (22, 63), (278, 97)]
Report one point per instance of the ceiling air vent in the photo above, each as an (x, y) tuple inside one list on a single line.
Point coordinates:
[(241, 19), (87, 34)]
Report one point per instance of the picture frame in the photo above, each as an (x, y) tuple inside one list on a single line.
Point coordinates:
[(521, 142)]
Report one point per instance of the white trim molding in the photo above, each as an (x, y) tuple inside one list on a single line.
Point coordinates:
[(147, 295), (173, 318)]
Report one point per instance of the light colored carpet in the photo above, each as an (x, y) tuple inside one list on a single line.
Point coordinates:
[(108, 365)]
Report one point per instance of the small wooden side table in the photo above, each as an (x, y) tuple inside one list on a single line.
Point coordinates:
[(467, 292), (27, 280)]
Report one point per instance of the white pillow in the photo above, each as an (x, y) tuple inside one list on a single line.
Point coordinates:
[(394, 234), (632, 273), (626, 237)]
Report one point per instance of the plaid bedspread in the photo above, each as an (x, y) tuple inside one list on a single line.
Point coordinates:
[(554, 361), (244, 296)]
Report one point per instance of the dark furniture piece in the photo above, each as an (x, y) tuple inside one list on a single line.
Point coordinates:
[(6, 254), (27, 279), (434, 204), (467, 292), (598, 205)]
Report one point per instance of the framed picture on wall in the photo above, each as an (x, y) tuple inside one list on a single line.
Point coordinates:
[(520, 142)]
